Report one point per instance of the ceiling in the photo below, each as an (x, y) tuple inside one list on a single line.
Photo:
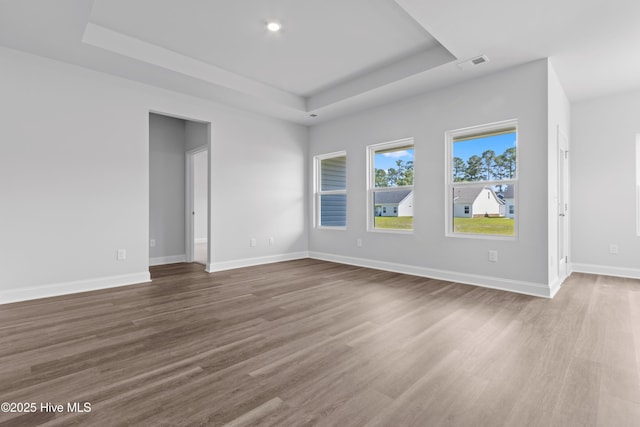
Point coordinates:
[(332, 57)]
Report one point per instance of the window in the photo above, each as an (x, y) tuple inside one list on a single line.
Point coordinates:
[(482, 180), (331, 190), (390, 186)]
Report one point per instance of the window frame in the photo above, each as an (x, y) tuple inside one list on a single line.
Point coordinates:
[(479, 131), (318, 192), (371, 188)]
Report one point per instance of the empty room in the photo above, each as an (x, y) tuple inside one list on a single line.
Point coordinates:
[(338, 213)]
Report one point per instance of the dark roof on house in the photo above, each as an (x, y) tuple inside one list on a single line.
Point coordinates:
[(391, 196), (469, 193), (507, 193)]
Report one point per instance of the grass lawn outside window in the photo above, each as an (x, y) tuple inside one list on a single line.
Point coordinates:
[(499, 226), (394, 222)]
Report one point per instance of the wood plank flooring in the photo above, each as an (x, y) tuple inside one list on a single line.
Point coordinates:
[(308, 342)]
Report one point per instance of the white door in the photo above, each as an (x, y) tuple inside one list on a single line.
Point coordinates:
[(563, 204)]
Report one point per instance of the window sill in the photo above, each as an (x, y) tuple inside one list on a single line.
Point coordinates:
[(389, 231), (480, 236)]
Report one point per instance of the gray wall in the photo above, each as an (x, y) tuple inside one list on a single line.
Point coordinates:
[(166, 186), (75, 178), (519, 93), (603, 191)]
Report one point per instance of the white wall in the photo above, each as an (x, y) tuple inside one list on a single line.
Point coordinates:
[(74, 179), (515, 93), (166, 189), (603, 138)]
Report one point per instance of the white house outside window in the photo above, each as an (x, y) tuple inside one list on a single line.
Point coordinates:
[(331, 190)]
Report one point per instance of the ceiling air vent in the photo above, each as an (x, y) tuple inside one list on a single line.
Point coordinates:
[(473, 62)]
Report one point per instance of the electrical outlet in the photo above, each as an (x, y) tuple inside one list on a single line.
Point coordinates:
[(493, 256), (121, 254), (152, 243), (613, 249), (252, 242), (359, 243)]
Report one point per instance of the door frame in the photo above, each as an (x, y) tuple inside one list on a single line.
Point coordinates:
[(563, 204), (207, 146)]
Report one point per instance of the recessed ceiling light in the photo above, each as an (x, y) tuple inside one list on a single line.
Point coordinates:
[(274, 26)]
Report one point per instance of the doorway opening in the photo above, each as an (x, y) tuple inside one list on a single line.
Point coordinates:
[(178, 190)]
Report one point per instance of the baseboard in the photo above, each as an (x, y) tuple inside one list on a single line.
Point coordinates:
[(56, 289), (631, 273), (527, 288), (171, 259), (249, 262), (554, 287)]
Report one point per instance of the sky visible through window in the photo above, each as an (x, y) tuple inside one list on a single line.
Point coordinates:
[(498, 143), (388, 160)]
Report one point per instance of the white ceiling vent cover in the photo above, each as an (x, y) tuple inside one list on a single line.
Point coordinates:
[(469, 63)]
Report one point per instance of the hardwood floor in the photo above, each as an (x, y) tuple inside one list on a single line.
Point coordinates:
[(314, 343)]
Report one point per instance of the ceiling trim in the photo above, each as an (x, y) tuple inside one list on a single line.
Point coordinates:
[(400, 69), (131, 47)]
